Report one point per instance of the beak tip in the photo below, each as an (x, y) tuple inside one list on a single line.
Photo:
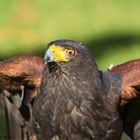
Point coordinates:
[(48, 56)]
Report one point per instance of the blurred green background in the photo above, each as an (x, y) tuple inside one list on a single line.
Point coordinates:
[(110, 28)]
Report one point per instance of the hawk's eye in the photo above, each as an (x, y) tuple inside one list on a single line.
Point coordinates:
[(71, 52)]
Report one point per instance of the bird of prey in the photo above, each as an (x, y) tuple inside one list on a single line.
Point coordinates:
[(76, 101), (20, 79)]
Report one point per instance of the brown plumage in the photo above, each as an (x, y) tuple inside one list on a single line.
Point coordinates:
[(76, 101), (19, 80), (18, 71), (130, 73), (130, 96)]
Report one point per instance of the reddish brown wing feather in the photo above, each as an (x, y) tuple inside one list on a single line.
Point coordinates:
[(16, 72), (22, 70), (130, 74)]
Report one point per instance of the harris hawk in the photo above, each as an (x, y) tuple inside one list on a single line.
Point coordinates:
[(26, 71), (76, 101)]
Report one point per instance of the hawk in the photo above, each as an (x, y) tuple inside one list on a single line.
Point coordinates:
[(20, 80), (76, 101)]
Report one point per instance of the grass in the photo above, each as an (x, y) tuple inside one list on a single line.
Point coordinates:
[(111, 28)]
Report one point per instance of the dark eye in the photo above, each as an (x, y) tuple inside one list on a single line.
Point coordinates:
[(71, 52)]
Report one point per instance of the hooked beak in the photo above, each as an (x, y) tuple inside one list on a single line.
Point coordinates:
[(48, 56), (55, 54)]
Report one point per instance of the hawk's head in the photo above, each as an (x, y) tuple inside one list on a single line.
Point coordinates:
[(69, 53)]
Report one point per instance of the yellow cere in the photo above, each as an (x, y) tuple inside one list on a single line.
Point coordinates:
[(59, 53)]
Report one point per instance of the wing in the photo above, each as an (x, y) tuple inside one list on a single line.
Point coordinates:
[(23, 70), (19, 80), (130, 96), (130, 74)]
